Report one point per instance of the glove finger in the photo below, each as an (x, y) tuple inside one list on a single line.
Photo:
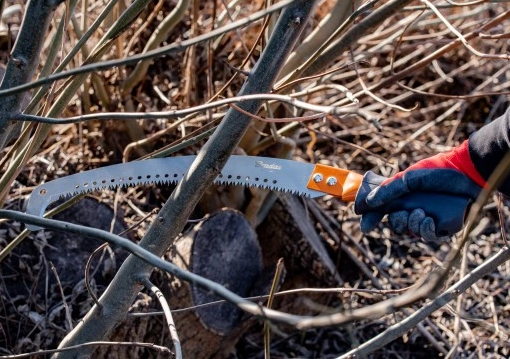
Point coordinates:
[(370, 220), (387, 192), (415, 218), (428, 229), (398, 221)]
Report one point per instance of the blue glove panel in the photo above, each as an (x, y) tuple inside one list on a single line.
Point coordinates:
[(423, 180), (427, 203)]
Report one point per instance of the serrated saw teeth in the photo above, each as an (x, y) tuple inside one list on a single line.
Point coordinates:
[(247, 171)]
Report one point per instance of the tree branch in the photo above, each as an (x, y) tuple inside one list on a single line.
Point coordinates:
[(23, 61), (351, 36), (291, 100), (210, 160), (84, 345), (159, 52), (157, 37), (411, 321), (168, 315)]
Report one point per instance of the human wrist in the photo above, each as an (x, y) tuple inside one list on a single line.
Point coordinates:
[(462, 160)]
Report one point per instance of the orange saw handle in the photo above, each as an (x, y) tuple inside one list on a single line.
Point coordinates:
[(338, 182), (447, 210)]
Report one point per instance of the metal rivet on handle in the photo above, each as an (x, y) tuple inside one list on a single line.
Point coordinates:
[(317, 178), (331, 181)]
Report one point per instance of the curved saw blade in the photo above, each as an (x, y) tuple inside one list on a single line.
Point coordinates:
[(261, 172)]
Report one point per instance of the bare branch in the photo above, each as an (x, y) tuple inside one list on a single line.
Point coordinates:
[(461, 37), (351, 36), (411, 321), (157, 37), (210, 160), (162, 51), (291, 100), (24, 60), (437, 54), (84, 345), (168, 315), (66, 307)]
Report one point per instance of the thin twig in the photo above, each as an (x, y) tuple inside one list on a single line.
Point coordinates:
[(327, 54), (245, 60), (411, 69), (347, 143), (461, 37), (460, 97), (274, 286), (502, 225), (322, 74), (460, 299), (101, 343), (87, 274), (66, 307), (138, 223), (342, 290), (317, 116), (104, 245), (494, 36), (168, 315), (470, 3), (192, 138), (410, 322), (333, 110), (161, 51), (374, 96)]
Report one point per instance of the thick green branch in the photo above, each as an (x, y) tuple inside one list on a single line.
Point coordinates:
[(157, 37), (24, 60), (349, 38), (120, 294)]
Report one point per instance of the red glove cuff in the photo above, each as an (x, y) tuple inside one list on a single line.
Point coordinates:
[(457, 159)]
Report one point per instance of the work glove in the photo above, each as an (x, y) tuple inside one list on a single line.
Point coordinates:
[(451, 172)]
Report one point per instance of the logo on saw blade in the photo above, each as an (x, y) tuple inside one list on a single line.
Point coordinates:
[(267, 166)]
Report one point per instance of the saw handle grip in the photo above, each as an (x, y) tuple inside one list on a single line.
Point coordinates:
[(447, 210)]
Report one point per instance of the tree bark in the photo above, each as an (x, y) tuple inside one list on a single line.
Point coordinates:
[(288, 232), (23, 61), (224, 248)]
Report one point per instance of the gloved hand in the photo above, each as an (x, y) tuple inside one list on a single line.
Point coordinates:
[(451, 172)]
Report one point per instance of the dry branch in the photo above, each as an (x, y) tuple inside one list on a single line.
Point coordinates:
[(440, 301), (24, 60), (174, 214)]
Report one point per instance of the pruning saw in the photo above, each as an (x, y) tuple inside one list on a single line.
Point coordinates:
[(298, 178)]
